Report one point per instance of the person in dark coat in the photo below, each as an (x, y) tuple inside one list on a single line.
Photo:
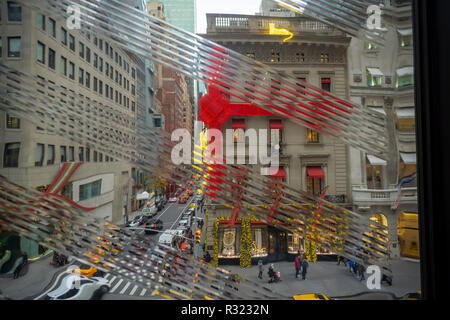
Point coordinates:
[(260, 267), (297, 265), (305, 265), (207, 257)]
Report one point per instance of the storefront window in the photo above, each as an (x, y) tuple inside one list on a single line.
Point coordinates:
[(228, 242), (259, 246), (295, 243)]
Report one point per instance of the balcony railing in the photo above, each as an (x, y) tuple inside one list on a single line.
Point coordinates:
[(260, 24), (367, 197)]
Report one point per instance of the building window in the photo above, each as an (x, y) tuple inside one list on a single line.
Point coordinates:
[(370, 46), (405, 38), (52, 27), (95, 156), (374, 77), (81, 76), (41, 21), (71, 154), (295, 243), (88, 55), (405, 77), (71, 42), (315, 180), (373, 173), (51, 58), (11, 155), (107, 69), (39, 159), (133, 90), (100, 64), (12, 122), (324, 58), (51, 154), (228, 242), (95, 60), (63, 66), (67, 190), (100, 44), (81, 49), (260, 241), (88, 154), (14, 11), (41, 52), (95, 84), (106, 91), (133, 73), (133, 106), (325, 84), (88, 79), (90, 190), (275, 57), (81, 154), (312, 136), (100, 157), (251, 55), (71, 71), (63, 36), (299, 57), (13, 47), (100, 87), (62, 151)]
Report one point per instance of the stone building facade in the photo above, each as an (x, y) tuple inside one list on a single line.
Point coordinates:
[(382, 78), (45, 47), (309, 160)]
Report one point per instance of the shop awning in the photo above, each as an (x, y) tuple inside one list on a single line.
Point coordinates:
[(376, 161), (405, 113), (280, 173), (408, 158), (143, 196), (375, 71), (405, 71), (405, 32), (315, 172), (238, 124), (276, 124)]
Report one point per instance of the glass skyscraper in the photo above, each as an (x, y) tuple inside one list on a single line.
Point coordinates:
[(181, 13)]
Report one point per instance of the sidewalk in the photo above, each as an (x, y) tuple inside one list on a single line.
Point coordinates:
[(328, 278)]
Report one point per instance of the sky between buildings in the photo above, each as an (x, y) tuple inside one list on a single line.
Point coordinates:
[(224, 6)]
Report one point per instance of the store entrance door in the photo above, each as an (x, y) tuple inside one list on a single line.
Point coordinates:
[(277, 245)]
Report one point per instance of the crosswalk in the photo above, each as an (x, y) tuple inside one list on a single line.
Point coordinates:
[(119, 285)]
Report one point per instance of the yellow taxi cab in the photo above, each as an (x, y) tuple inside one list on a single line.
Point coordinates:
[(414, 295), (311, 296), (86, 270)]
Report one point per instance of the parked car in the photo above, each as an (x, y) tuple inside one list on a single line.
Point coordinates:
[(173, 199), (79, 288), (153, 225), (138, 221)]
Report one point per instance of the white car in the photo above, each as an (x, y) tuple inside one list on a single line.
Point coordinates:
[(183, 223), (79, 288), (173, 199)]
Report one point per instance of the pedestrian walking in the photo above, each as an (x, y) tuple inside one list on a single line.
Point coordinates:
[(297, 265), (361, 270), (260, 267), (305, 265)]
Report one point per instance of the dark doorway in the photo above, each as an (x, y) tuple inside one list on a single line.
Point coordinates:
[(277, 245)]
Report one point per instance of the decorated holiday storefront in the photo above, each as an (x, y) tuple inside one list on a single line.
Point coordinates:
[(249, 240)]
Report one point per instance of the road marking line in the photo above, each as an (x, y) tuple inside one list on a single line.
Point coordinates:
[(143, 291), (112, 280), (134, 290), (117, 285), (125, 288)]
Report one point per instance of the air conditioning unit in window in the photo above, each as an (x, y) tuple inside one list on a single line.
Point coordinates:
[(357, 78), (158, 120), (388, 80)]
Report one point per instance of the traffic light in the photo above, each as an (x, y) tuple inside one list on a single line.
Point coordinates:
[(198, 236)]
